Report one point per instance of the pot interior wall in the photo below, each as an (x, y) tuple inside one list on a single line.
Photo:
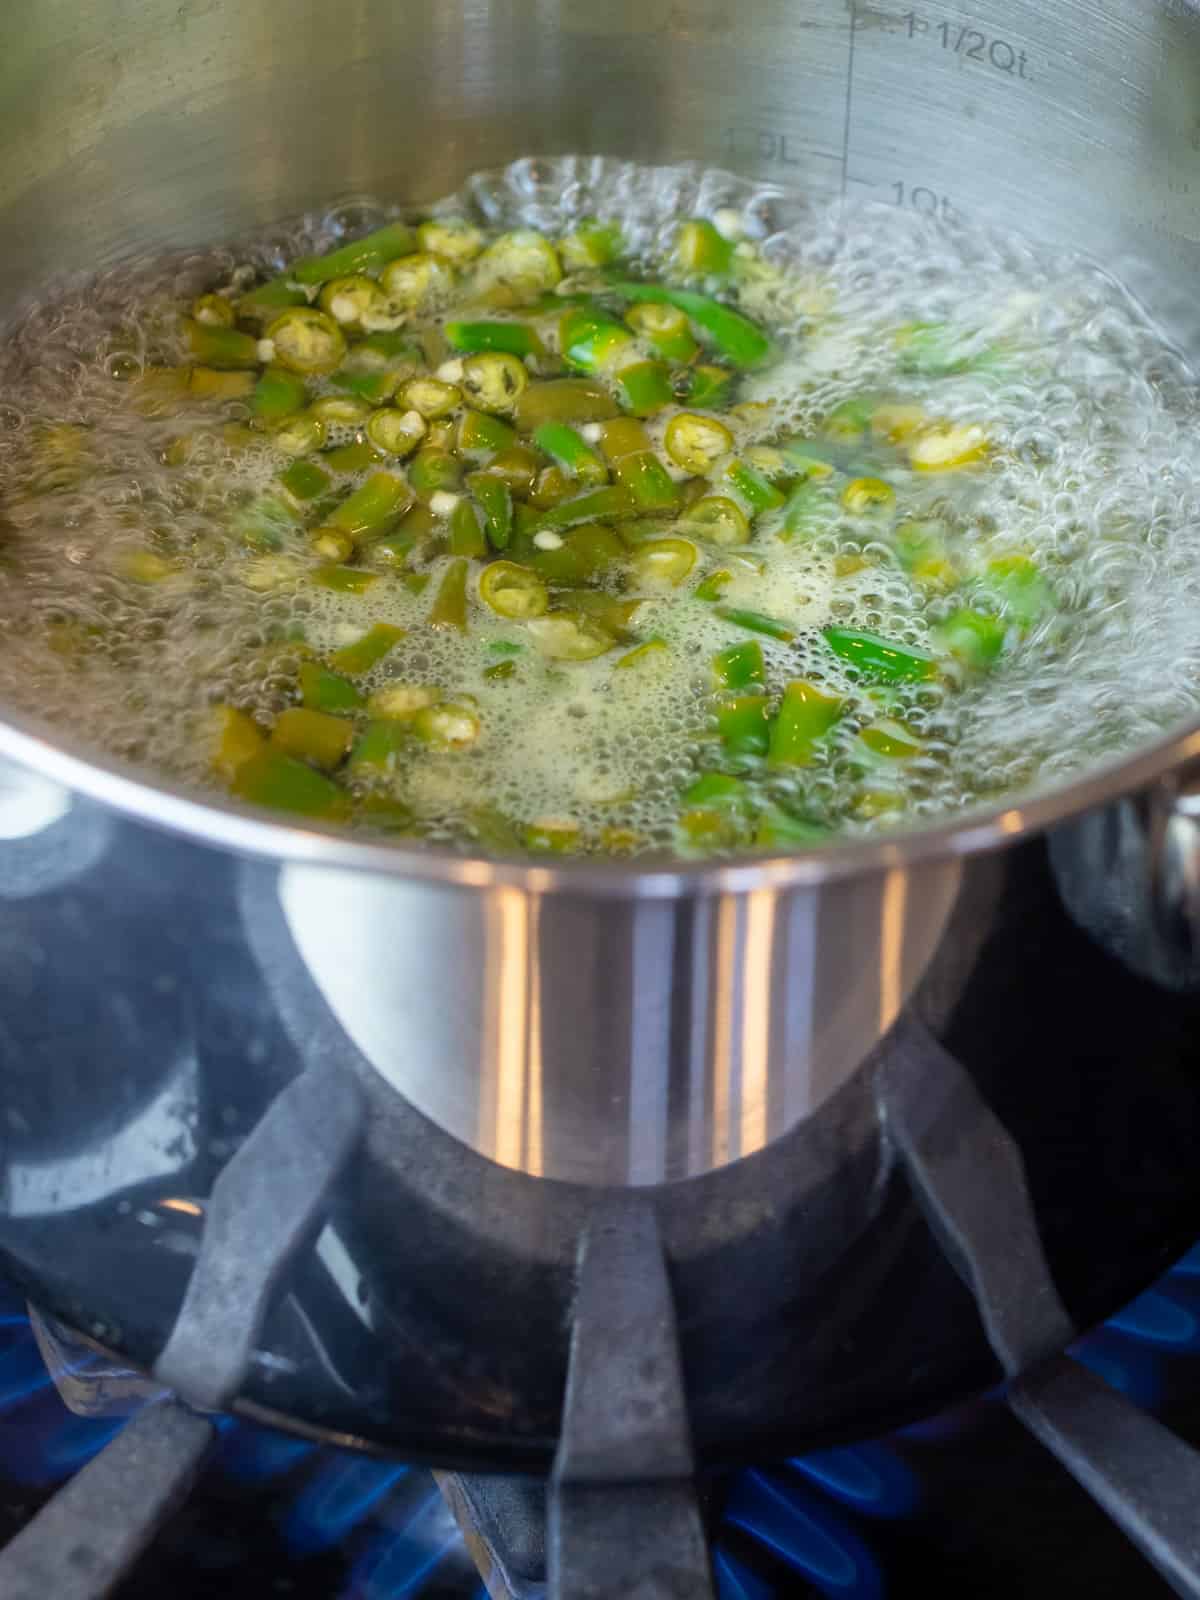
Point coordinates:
[(181, 121)]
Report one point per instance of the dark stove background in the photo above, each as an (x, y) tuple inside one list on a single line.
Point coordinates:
[(965, 1503)]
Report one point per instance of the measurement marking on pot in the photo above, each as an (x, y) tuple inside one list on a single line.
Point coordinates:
[(919, 197), (769, 145), (972, 44)]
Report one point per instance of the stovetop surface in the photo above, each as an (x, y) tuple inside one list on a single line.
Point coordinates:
[(963, 1503)]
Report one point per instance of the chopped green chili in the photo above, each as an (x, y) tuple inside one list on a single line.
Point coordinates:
[(806, 714), (881, 659), (367, 652), (739, 666), (277, 394), (496, 501), (593, 505), (757, 623), (282, 783), (323, 690), (571, 452), (221, 347), (743, 726), (373, 507), (737, 338), (701, 251), (449, 609), (645, 388), (515, 338), (467, 537), (367, 254)]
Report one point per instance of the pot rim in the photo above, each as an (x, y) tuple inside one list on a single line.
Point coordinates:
[(214, 820)]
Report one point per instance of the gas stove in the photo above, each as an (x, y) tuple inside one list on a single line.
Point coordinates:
[(962, 1503), (228, 1221)]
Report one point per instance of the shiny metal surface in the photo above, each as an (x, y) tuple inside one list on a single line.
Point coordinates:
[(608, 1023)]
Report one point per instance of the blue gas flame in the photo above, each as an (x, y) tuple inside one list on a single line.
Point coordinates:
[(336, 1500), (870, 1478), (806, 1533), (398, 1562)]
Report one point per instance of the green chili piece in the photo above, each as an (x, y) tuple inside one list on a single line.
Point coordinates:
[(433, 471), (513, 591), (890, 740), (666, 328), (972, 637), (743, 725), (809, 508), (367, 254), (306, 340), (1025, 594), (449, 609), (312, 735), (650, 651), (647, 481), (739, 666), (500, 671), (269, 299), (448, 726), (277, 394), (515, 338), (305, 480), (584, 554), (467, 537), (322, 690), (645, 388), (624, 436), (206, 383), (590, 340), (880, 659), (716, 789), (593, 505), (481, 435), (279, 781), (377, 748), (737, 338), (375, 387), (345, 580), (566, 637), (496, 501), (592, 244), (571, 452), (394, 431), (354, 457), (664, 560), (701, 251), (564, 400), (718, 519), (517, 466), (805, 715), (714, 586), (759, 493), (372, 508), (365, 653), (757, 623), (494, 381), (709, 387), (775, 827), (221, 347)]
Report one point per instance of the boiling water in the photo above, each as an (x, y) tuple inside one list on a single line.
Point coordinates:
[(1094, 473)]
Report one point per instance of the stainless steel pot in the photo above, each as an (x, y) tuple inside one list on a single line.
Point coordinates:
[(603, 1023)]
